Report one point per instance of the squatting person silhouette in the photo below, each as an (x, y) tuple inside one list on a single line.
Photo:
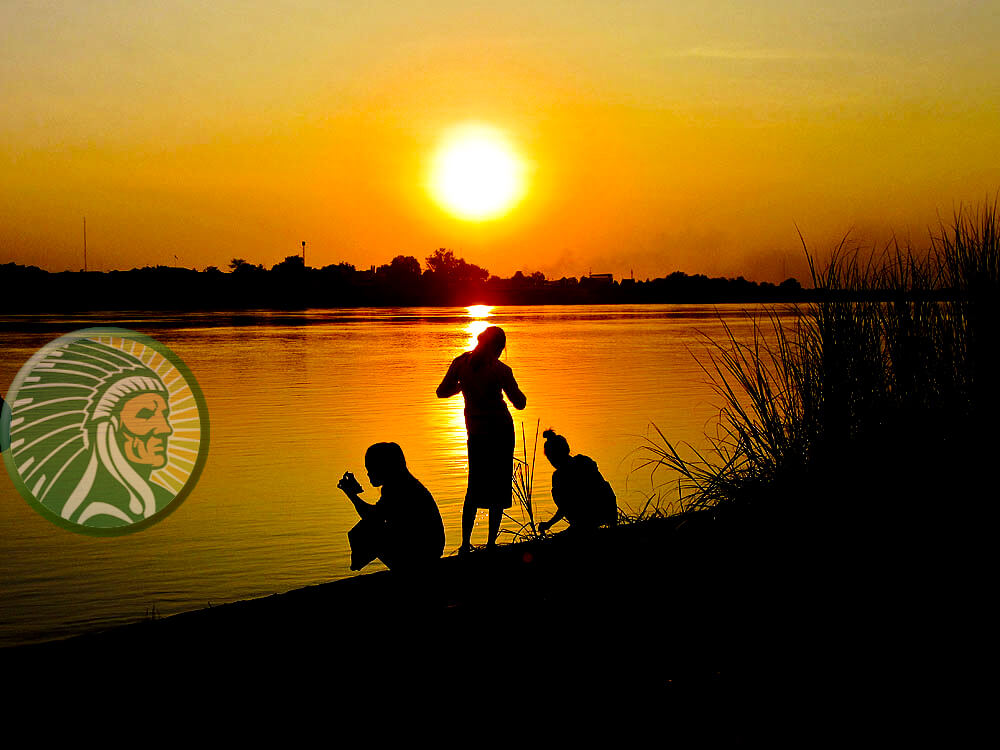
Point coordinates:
[(482, 379), (404, 528), (582, 496)]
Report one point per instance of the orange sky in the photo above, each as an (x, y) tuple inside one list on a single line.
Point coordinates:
[(660, 136)]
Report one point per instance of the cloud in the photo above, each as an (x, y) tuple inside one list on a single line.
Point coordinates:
[(724, 53)]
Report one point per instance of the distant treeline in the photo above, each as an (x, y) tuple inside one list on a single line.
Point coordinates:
[(442, 280)]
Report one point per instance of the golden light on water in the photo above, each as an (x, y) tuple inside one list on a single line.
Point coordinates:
[(477, 326), (476, 174), (479, 311)]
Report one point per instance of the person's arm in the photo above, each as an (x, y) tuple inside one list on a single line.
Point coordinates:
[(350, 487), (451, 383), (517, 398), (546, 525), (365, 510), (558, 493)]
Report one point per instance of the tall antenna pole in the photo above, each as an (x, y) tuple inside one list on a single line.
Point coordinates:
[(84, 243)]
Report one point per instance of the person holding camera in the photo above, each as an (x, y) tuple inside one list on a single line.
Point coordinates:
[(404, 528)]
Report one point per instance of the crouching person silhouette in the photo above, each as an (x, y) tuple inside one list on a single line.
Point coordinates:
[(582, 496), (403, 529)]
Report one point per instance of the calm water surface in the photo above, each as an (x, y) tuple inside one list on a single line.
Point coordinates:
[(296, 398)]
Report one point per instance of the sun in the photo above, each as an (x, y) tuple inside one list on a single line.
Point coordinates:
[(476, 174)]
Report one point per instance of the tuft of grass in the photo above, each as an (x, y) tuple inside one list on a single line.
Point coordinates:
[(873, 391), (522, 485), (759, 433), (657, 505)]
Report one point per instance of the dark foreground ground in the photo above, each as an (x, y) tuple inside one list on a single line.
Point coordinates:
[(753, 622), (547, 608)]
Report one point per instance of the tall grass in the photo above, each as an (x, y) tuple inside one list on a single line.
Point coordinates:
[(884, 385), (522, 485)]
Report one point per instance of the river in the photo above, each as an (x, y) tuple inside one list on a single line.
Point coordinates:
[(294, 400)]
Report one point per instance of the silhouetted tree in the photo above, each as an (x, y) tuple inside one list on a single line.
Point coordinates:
[(291, 263), (442, 262), (404, 269), (405, 266), (445, 265), (345, 270), (790, 284), (18, 268), (238, 265)]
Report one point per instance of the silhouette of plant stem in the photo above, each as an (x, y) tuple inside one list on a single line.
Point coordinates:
[(522, 484)]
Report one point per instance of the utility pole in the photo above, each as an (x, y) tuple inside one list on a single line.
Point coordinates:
[(303, 253), (85, 244)]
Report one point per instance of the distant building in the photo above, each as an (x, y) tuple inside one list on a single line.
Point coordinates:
[(602, 278)]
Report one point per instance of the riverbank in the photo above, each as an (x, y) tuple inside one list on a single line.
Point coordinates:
[(642, 608), (561, 609), (729, 623)]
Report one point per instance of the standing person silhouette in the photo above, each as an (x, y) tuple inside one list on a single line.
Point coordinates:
[(482, 379)]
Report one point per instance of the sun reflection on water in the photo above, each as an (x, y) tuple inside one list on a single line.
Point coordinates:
[(479, 311), (475, 328), (478, 325)]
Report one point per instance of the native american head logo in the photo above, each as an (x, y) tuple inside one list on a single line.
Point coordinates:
[(108, 431)]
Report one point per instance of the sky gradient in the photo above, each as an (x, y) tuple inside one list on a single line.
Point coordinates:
[(660, 136)]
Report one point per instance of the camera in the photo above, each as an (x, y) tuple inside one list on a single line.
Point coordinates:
[(349, 484)]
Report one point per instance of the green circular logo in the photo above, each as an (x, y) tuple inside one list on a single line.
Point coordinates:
[(108, 431)]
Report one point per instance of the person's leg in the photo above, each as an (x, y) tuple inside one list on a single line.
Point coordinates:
[(501, 473), (468, 521), (496, 516), (472, 492)]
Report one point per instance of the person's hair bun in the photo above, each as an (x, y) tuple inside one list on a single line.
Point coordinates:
[(555, 444)]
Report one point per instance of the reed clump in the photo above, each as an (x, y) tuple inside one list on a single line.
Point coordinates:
[(522, 488), (879, 396)]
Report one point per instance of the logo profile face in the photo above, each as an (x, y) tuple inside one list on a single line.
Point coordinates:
[(108, 431)]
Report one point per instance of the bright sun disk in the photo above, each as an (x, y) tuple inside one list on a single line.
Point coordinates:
[(476, 174)]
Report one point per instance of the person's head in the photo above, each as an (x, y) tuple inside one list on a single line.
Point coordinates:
[(491, 342), (384, 463), (556, 448)]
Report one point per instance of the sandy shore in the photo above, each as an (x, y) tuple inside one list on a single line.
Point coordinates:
[(650, 612), (532, 594)]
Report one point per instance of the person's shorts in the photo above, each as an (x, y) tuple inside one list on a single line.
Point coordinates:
[(491, 469)]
